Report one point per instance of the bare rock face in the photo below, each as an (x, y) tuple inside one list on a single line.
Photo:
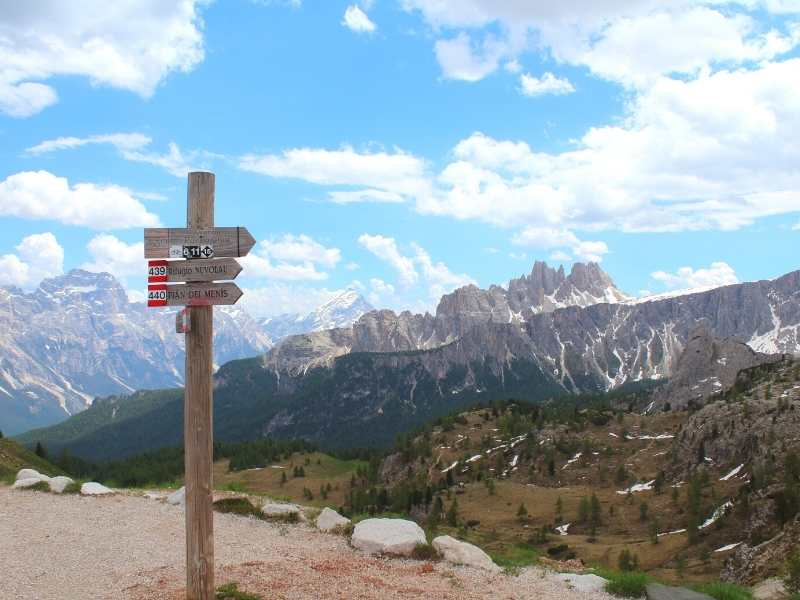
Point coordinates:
[(707, 366), (396, 537), (750, 564), (747, 429)]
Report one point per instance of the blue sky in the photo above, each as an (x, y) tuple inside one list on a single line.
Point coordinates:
[(405, 147)]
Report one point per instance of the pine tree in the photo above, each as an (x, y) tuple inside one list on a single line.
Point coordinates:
[(522, 513), (41, 452), (452, 514), (283, 478), (559, 508), (435, 516), (583, 510), (643, 510)]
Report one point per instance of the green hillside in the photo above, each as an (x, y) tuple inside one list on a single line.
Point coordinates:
[(14, 457)]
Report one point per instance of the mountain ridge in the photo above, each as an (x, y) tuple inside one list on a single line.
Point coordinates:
[(338, 389)]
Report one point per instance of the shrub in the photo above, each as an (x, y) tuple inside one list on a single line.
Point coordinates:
[(628, 561), (725, 591), (792, 580), (230, 591), (237, 506), (424, 552), (72, 488), (629, 584), (39, 487)]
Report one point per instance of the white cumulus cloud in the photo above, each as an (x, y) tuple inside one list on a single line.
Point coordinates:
[(38, 256), (127, 44), (717, 274), (41, 195), (548, 83), (291, 258), (109, 254), (357, 20), (386, 249)]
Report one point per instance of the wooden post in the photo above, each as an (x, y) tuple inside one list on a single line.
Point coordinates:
[(198, 421)]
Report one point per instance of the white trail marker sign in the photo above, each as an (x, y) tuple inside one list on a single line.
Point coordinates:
[(196, 247)]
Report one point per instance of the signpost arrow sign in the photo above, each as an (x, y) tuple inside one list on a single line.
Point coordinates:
[(228, 242), (177, 271), (193, 294)]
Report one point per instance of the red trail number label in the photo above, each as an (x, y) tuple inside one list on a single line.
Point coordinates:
[(157, 295), (156, 271)]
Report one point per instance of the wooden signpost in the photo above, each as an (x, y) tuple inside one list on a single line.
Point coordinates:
[(203, 254)]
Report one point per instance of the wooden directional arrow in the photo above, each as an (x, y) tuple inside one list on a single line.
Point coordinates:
[(193, 294), (229, 242), (176, 271)]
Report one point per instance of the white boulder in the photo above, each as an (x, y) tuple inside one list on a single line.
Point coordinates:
[(92, 488), (329, 519), (588, 583), (387, 536), (461, 553), (31, 474), (27, 482), (59, 484), (178, 497), (271, 509)]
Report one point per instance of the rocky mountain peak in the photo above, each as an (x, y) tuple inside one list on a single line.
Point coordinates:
[(100, 290)]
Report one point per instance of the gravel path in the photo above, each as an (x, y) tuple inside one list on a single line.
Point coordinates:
[(72, 547)]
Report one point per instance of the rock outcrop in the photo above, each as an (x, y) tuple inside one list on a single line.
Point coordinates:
[(707, 366)]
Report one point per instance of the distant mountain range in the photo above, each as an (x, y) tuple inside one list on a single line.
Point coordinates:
[(545, 335), (341, 311), (78, 336)]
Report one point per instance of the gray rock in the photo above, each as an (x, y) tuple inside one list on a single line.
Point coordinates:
[(588, 583), (28, 482), (387, 536), (59, 484), (461, 553), (769, 589), (329, 520), (656, 591), (92, 488), (272, 509), (177, 497), (30, 474)]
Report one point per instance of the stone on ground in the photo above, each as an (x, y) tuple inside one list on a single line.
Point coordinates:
[(177, 497), (588, 583), (272, 509), (26, 483), (387, 536), (461, 553), (656, 591), (31, 474), (59, 484), (329, 519), (769, 589), (92, 488)]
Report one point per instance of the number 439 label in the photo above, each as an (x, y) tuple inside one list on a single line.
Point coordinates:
[(156, 271)]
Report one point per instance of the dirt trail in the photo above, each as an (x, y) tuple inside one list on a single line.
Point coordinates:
[(127, 546)]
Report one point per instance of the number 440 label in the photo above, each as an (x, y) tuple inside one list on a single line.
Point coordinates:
[(157, 295)]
